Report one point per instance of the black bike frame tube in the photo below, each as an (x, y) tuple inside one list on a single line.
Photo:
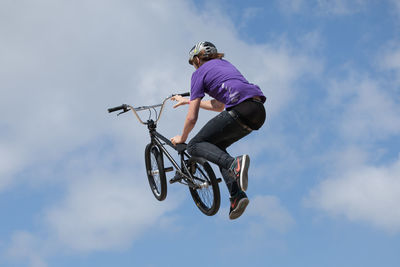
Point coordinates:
[(156, 137), (171, 159), (168, 142)]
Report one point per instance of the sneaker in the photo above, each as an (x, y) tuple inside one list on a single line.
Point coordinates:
[(238, 205), (239, 170)]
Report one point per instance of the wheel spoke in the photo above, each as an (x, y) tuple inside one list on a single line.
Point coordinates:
[(206, 193), (155, 173)]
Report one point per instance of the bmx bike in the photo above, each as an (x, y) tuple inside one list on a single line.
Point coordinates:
[(194, 172)]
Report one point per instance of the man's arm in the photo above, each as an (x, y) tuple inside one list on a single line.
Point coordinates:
[(191, 118), (190, 122), (213, 104)]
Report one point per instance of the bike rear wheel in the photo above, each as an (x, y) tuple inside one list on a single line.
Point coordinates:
[(206, 195), (155, 171)]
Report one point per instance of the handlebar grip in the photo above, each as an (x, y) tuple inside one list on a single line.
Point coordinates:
[(123, 106), (184, 94)]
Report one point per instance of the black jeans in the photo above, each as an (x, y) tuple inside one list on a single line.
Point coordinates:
[(213, 139), (222, 131)]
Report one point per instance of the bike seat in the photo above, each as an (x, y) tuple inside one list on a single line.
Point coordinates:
[(181, 147)]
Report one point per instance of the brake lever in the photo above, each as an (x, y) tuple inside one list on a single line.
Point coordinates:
[(125, 110)]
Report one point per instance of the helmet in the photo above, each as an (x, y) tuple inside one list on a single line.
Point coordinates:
[(207, 47)]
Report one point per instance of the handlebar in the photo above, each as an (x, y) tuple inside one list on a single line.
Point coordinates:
[(126, 108), (184, 94)]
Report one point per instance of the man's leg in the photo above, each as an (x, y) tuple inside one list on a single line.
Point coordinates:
[(211, 141)]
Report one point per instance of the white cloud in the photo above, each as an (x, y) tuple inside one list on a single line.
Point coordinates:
[(362, 193), (25, 247), (396, 4), (324, 7), (64, 64), (341, 7), (105, 211), (389, 59), (271, 212), (248, 14), (366, 110), (264, 215), (291, 6), (392, 59), (9, 161), (279, 67)]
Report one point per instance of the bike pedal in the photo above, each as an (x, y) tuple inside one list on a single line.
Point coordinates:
[(176, 178), (168, 169)]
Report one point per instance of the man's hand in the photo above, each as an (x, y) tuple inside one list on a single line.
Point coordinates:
[(180, 99), (177, 140)]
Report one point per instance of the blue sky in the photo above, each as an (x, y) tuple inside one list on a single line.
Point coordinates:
[(324, 180)]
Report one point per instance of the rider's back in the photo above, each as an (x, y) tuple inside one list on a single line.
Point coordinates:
[(222, 81)]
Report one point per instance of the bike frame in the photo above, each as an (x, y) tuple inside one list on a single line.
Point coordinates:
[(194, 172), (160, 140)]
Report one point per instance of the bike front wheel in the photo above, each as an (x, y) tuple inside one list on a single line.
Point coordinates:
[(155, 171), (205, 193)]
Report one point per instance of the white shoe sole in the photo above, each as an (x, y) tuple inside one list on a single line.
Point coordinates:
[(244, 179), (241, 207)]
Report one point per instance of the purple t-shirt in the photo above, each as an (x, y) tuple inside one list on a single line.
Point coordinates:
[(221, 80)]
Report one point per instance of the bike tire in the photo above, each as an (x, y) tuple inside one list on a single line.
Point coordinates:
[(207, 199), (155, 171)]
